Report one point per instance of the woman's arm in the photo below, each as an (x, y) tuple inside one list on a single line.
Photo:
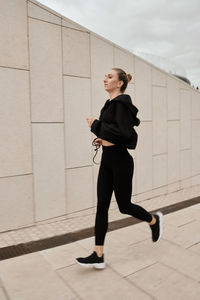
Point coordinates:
[(119, 130)]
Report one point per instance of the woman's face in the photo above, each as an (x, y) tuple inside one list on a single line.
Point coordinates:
[(111, 81)]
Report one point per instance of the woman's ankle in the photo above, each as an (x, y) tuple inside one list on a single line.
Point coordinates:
[(99, 254), (99, 250), (153, 221)]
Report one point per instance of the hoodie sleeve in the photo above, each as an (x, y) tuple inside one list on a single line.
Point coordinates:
[(119, 130)]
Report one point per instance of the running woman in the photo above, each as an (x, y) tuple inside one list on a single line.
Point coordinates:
[(115, 133)]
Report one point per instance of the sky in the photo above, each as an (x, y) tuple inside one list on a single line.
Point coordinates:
[(160, 29)]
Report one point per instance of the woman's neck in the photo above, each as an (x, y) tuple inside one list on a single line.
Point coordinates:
[(114, 94)]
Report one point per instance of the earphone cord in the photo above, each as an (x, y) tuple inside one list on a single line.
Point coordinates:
[(96, 149)]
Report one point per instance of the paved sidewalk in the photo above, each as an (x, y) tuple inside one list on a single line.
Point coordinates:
[(86, 218), (136, 268), (51, 228)]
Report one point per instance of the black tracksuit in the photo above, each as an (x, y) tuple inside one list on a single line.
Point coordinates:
[(115, 124)]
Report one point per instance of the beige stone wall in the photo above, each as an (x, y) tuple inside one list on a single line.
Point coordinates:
[(51, 79)]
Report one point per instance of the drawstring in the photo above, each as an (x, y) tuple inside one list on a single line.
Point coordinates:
[(96, 149)]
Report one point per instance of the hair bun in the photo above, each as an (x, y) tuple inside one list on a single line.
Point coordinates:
[(129, 77)]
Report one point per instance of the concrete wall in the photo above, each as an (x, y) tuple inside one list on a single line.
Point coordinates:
[(51, 79)]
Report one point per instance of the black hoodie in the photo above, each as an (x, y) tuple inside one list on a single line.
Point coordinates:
[(116, 121)]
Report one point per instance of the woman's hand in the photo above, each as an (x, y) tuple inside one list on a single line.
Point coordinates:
[(98, 141), (90, 121)]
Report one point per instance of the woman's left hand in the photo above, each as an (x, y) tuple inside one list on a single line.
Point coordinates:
[(90, 121)]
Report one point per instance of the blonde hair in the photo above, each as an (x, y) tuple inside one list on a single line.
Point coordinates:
[(129, 77), (124, 77)]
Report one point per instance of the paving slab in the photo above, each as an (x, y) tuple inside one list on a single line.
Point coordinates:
[(162, 282), (185, 235), (127, 236), (175, 256), (63, 256), (30, 277), (96, 284)]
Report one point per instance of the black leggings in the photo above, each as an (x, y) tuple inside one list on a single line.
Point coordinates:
[(115, 173)]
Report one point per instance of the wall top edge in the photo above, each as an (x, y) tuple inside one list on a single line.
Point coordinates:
[(48, 9), (186, 85), (85, 29), (77, 24)]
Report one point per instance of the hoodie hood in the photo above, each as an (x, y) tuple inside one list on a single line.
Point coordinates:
[(126, 100)]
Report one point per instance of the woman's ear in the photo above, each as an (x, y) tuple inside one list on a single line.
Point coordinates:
[(120, 83)]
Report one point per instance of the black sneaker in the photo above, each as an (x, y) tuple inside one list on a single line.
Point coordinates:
[(157, 227), (92, 260)]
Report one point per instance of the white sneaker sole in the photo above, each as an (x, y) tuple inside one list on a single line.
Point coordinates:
[(160, 214), (97, 265)]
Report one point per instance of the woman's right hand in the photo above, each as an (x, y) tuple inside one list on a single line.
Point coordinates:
[(98, 141)]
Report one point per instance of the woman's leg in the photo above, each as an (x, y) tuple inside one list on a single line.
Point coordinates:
[(123, 174), (104, 194)]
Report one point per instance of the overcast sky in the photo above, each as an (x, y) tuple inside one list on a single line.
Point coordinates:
[(169, 29)]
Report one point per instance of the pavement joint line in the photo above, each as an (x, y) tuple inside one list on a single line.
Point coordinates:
[(61, 268), (69, 286), (179, 245), (5, 292), (186, 223), (177, 271), (139, 288), (143, 268), (130, 281), (192, 245), (70, 237), (138, 242)]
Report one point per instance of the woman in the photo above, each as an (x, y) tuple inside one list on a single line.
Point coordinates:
[(115, 133)]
